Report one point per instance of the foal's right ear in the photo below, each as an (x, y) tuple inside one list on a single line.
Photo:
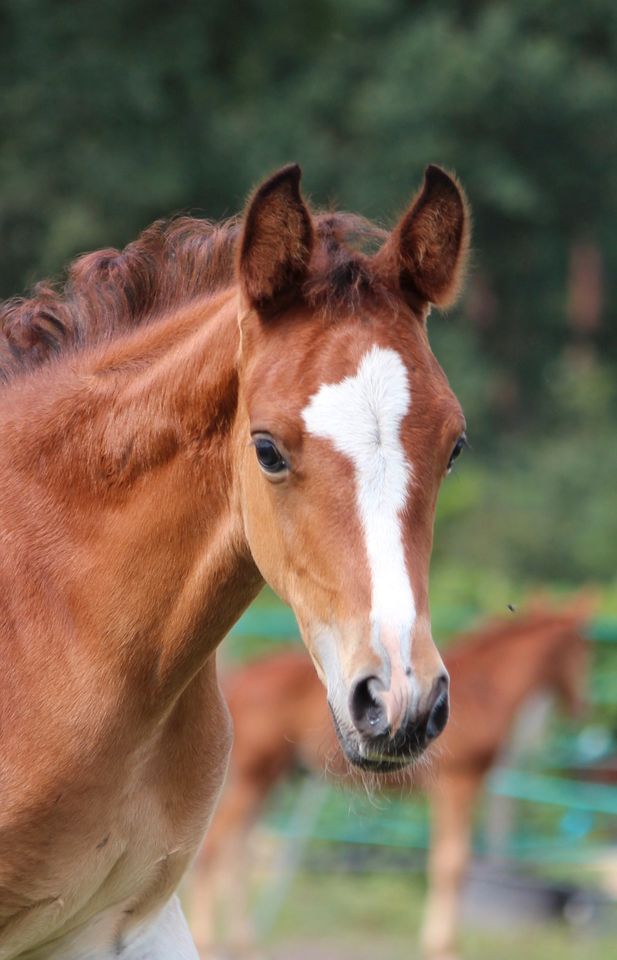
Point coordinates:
[(428, 248), (276, 242)]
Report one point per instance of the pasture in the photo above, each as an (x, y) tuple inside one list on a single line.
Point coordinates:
[(341, 914), (379, 915)]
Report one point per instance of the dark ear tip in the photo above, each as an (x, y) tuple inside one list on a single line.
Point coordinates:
[(290, 174), (434, 171), (293, 170), (435, 176)]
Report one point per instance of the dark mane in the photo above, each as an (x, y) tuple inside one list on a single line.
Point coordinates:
[(172, 262)]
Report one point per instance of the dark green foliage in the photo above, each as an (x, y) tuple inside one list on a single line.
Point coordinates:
[(544, 507)]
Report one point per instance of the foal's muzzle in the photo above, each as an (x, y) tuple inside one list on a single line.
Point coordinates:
[(375, 745)]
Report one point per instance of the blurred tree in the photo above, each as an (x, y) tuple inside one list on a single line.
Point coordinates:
[(545, 509)]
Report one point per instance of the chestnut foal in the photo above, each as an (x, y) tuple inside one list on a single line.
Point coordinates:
[(213, 407)]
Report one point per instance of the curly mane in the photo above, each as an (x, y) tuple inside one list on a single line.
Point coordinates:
[(174, 261), (111, 291)]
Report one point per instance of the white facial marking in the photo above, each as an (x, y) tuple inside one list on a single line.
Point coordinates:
[(362, 417), (329, 658)]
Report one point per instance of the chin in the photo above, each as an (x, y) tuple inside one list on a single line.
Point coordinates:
[(375, 762)]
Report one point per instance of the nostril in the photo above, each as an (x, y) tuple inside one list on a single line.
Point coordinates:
[(366, 708), (439, 713)]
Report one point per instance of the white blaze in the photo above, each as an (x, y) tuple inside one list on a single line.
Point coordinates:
[(362, 417)]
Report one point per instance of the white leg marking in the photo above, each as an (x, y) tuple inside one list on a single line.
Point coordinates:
[(362, 417), (167, 937)]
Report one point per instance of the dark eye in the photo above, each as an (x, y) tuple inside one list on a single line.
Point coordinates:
[(459, 446), (270, 458)]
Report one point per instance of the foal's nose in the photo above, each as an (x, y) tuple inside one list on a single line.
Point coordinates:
[(368, 710)]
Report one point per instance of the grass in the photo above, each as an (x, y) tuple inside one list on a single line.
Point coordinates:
[(354, 917)]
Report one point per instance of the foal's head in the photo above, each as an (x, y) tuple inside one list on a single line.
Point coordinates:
[(568, 656), (350, 427)]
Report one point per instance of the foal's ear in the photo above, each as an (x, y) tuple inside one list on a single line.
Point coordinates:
[(429, 246), (276, 243)]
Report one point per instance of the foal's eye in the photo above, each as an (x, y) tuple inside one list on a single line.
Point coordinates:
[(270, 458), (459, 446)]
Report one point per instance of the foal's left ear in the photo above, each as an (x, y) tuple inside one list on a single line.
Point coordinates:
[(429, 246), (276, 242)]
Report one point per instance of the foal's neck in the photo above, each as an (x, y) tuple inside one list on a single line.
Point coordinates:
[(137, 444)]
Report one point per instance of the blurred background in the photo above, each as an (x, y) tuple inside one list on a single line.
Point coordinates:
[(114, 114)]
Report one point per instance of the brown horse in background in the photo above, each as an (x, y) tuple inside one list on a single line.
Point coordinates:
[(213, 407), (280, 719)]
